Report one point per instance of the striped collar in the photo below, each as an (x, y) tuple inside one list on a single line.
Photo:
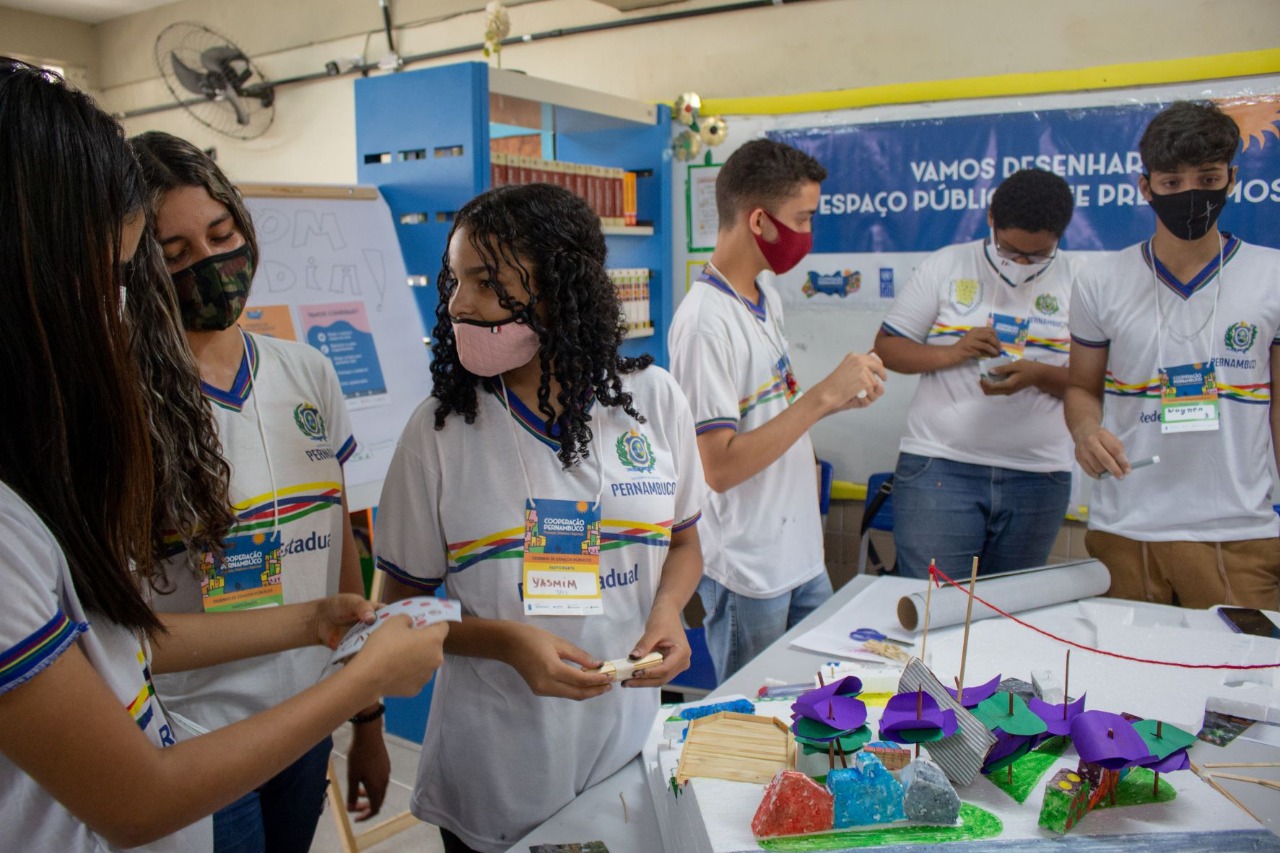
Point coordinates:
[(533, 422), (1231, 244), (757, 308), (237, 395)]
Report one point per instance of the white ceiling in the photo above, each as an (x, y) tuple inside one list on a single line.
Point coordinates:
[(96, 11), (88, 11)]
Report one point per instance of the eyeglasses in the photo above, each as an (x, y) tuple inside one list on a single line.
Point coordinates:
[(1031, 257)]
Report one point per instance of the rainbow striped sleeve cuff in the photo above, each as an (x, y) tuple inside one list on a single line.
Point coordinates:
[(348, 448), (687, 523), (1085, 342), (429, 585), (715, 423), (25, 660)]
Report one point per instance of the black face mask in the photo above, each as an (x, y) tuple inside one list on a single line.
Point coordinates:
[(1191, 213)]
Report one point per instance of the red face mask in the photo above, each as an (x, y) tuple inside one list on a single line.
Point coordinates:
[(788, 250)]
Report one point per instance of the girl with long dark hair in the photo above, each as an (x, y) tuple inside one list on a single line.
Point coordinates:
[(283, 428), (89, 465)]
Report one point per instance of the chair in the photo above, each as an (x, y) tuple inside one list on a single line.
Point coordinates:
[(875, 518)]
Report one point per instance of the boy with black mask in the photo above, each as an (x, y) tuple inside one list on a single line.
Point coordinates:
[(1180, 333)]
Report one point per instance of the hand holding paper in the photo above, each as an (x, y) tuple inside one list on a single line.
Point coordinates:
[(421, 610)]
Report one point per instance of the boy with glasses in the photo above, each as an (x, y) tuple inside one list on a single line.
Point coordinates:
[(1178, 335), (984, 469)]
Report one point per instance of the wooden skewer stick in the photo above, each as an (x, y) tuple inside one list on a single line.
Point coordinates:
[(968, 618), (844, 761), (831, 715), (1242, 764), (928, 597), (1221, 790), (831, 755), (1266, 783), (1066, 680)]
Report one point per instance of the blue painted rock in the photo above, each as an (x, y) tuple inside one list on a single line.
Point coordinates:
[(865, 794), (930, 797)]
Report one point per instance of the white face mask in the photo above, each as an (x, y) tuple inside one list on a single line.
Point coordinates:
[(1011, 271)]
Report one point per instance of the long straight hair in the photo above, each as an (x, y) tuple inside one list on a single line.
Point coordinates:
[(75, 442)]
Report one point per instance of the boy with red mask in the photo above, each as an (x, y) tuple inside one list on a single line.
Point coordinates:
[(1180, 334), (762, 534)]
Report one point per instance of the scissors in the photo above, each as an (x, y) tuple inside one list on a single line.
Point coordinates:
[(865, 634)]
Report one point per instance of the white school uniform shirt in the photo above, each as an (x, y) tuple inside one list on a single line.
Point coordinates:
[(40, 618), (295, 392), (497, 760), (763, 537), (954, 290), (1209, 486)]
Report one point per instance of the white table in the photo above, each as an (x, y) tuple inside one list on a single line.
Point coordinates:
[(598, 813)]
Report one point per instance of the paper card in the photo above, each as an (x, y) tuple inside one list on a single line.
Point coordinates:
[(1188, 398), (423, 610), (994, 713), (1056, 719), (1012, 332), (839, 712)]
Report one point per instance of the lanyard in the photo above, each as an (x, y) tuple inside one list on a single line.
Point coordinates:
[(778, 349), (1211, 320), (262, 435), (515, 439)]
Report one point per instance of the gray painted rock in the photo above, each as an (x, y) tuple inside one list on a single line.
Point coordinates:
[(930, 797)]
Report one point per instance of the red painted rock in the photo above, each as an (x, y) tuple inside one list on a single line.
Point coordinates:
[(793, 804)]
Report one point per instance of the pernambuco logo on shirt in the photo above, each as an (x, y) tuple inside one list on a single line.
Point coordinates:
[(1240, 336), (966, 294), (634, 451), (1047, 303), (310, 422)]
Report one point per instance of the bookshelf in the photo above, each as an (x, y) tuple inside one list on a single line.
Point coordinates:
[(427, 138)]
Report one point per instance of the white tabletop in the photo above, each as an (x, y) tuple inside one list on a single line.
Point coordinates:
[(598, 814)]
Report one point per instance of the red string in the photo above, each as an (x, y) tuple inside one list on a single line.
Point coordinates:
[(935, 573)]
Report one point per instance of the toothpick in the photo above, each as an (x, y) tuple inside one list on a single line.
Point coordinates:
[(830, 713), (920, 702), (821, 683), (1243, 764), (831, 755), (1066, 680), (1011, 710), (1266, 783), (1011, 768), (1155, 788), (928, 597), (844, 761), (968, 618), (1221, 790)]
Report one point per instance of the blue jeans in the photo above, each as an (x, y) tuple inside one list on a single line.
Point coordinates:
[(280, 816), (738, 628), (952, 512)]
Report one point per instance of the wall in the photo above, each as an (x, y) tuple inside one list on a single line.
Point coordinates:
[(800, 47), (53, 41)]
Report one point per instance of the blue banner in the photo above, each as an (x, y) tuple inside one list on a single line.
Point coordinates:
[(916, 186)]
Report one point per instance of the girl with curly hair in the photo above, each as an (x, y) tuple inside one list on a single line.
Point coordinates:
[(90, 462), (539, 443)]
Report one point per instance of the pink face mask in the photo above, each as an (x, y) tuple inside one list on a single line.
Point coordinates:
[(488, 349), (788, 250)]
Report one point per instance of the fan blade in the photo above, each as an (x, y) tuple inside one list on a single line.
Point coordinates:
[(215, 58), (193, 81), (242, 113)]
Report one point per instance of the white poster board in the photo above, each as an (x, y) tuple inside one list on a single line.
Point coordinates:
[(331, 274)]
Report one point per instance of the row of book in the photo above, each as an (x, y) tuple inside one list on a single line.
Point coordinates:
[(633, 291), (610, 192)]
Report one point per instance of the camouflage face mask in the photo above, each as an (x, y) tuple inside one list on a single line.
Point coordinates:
[(212, 292)]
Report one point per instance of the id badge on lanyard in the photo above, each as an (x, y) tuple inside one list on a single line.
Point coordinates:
[(562, 558), (1188, 398), (1012, 332), (247, 576)]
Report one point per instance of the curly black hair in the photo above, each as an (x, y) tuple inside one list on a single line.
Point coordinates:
[(1033, 200), (1188, 133), (552, 238)]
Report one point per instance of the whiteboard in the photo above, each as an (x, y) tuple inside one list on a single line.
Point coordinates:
[(331, 275)]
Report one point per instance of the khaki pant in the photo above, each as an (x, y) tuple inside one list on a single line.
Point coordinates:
[(1191, 574)]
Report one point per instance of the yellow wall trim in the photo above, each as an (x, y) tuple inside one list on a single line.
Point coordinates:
[(1246, 64)]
